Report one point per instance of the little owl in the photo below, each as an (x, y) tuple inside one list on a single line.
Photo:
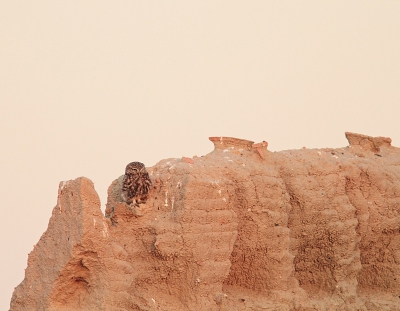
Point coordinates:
[(136, 184)]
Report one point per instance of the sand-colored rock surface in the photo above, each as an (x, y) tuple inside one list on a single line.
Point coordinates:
[(241, 228)]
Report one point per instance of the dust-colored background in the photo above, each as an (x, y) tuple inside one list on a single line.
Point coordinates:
[(86, 87)]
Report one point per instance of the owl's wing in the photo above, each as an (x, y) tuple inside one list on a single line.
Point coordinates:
[(125, 183)]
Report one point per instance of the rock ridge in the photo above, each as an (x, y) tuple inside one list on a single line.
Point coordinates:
[(241, 228)]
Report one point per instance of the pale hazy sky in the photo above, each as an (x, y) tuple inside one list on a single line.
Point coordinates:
[(88, 86)]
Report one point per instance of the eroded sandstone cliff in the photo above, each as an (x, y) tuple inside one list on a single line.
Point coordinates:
[(241, 228)]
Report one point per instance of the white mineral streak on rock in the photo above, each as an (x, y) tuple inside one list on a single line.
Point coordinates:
[(105, 230), (166, 198), (64, 183)]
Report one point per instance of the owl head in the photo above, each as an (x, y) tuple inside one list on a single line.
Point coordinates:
[(135, 168)]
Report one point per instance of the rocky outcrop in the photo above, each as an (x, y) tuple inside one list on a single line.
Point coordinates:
[(241, 228)]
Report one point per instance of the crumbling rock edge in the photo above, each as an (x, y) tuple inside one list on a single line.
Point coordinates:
[(241, 228)]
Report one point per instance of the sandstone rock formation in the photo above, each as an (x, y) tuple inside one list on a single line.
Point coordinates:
[(241, 228)]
